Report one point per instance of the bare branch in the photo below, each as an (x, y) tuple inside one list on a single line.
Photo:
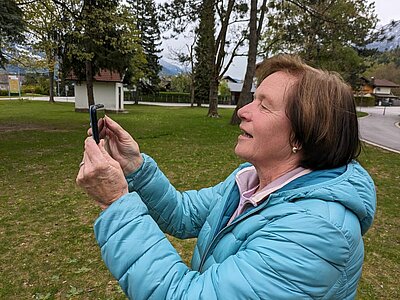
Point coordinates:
[(233, 55)]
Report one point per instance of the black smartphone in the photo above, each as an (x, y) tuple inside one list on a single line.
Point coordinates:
[(97, 113)]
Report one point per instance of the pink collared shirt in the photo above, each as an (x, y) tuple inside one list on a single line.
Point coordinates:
[(248, 182)]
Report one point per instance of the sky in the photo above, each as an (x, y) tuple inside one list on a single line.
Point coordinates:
[(386, 10)]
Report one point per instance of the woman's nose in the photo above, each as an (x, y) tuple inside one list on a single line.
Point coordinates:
[(244, 112)]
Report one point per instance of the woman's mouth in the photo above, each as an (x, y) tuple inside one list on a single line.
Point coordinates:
[(245, 134)]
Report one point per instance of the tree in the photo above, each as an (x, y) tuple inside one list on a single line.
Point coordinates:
[(389, 71), (103, 37), (45, 30), (181, 83), (255, 27), (11, 27), (187, 60), (220, 53), (147, 26), (229, 36), (136, 68), (388, 57), (223, 90), (204, 53), (326, 33)]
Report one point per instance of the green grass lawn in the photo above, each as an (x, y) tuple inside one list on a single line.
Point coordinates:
[(361, 114), (47, 245), (23, 95)]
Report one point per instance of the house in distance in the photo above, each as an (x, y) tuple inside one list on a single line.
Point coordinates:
[(381, 90)]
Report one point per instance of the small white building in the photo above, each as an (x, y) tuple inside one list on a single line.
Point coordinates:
[(107, 89)]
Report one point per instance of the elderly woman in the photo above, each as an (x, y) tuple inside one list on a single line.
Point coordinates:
[(287, 224)]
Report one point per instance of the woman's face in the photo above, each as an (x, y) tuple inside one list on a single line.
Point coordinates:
[(265, 127)]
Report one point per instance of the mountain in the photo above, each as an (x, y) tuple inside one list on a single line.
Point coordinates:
[(14, 69), (388, 37), (169, 69)]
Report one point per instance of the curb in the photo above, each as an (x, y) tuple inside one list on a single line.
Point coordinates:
[(368, 115), (380, 146)]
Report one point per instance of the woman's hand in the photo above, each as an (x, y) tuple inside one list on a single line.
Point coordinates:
[(100, 175), (122, 147)]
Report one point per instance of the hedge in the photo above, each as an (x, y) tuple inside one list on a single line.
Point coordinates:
[(3, 92), (168, 97), (364, 101)]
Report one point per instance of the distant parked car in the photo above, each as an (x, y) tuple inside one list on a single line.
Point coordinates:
[(385, 102)]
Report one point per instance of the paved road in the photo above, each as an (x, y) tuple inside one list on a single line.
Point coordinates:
[(381, 127)]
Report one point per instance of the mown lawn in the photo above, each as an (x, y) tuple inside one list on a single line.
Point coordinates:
[(47, 248)]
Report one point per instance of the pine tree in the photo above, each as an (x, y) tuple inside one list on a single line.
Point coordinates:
[(103, 38), (147, 25), (11, 27), (205, 53)]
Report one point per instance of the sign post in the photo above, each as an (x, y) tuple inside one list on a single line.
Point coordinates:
[(13, 83)]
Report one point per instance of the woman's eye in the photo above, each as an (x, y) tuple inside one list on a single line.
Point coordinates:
[(264, 107)]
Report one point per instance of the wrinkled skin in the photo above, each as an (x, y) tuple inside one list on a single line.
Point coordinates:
[(104, 166)]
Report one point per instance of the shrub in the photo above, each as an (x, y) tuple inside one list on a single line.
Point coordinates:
[(3, 92), (28, 89), (168, 97), (364, 101)]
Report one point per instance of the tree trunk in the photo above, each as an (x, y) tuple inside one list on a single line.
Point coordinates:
[(254, 34), (213, 106), (218, 61), (89, 83), (191, 90), (192, 77), (51, 81), (51, 66)]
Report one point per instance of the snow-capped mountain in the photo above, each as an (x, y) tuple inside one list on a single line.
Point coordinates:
[(169, 69), (388, 37)]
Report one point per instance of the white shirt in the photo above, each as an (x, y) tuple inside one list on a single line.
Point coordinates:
[(248, 182)]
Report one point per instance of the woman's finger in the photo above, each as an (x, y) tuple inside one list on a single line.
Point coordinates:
[(102, 133), (115, 128), (93, 153), (106, 155), (81, 171)]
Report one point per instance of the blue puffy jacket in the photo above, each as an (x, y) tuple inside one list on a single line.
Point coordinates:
[(303, 242)]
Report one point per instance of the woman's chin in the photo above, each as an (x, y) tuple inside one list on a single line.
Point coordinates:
[(240, 152)]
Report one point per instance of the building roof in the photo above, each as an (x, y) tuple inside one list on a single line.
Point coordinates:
[(384, 83), (385, 96), (375, 82), (237, 87), (102, 76), (231, 79)]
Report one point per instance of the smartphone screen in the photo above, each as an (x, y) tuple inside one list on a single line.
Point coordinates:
[(97, 113)]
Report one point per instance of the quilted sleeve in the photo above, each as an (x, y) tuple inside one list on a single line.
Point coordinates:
[(181, 214), (294, 257)]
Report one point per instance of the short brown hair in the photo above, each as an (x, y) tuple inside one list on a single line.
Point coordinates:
[(322, 112)]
